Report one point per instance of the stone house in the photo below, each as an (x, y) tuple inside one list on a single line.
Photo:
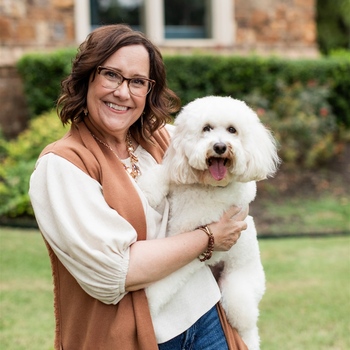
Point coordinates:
[(279, 27)]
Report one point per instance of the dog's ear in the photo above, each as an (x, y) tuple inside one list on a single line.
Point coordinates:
[(175, 162), (260, 149)]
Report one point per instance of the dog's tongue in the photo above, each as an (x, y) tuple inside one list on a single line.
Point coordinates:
[(217, 168)]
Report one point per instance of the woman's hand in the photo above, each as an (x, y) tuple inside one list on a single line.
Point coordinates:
[(228, 229)]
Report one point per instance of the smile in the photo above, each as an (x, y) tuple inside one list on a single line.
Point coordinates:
[(116, 107)]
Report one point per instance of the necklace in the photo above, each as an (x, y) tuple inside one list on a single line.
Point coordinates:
[(134, 170)]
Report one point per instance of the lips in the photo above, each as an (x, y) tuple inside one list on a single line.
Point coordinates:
[(116, 107), (217, 167)]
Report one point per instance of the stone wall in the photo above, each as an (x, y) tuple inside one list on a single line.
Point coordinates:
[(277, 26), (31, 25), (284, 27)]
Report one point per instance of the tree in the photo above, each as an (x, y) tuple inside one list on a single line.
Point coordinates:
[(333, 25)]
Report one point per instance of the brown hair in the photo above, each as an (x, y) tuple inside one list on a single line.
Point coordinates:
[(96, 49)]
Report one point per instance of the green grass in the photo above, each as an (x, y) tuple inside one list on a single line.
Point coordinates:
[(26, 309), (300, 215), (307, 302), (306, 305)]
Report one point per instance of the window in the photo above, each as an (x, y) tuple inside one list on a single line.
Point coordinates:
[(186, 19), (116, 11), (173, 23)]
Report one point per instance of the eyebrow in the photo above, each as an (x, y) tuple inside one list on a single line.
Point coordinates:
[(120, 72)]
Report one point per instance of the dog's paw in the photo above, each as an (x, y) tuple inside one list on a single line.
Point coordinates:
[(154, 185)]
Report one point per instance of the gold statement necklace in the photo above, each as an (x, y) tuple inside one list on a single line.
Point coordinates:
[(134, 170)]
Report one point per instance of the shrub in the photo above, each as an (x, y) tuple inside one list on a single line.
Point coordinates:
[(18, 160), (42, 74), (303, 123), (200, 75), (196, 76)]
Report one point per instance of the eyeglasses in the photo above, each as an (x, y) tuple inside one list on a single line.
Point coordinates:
[(112, 79)]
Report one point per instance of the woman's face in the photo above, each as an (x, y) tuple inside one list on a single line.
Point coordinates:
[(112, 112)]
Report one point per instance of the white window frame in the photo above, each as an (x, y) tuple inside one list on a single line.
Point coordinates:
[(223, 24), (82, 20)]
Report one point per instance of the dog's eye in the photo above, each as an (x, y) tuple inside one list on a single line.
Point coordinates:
[(232, 130), (207, 128)]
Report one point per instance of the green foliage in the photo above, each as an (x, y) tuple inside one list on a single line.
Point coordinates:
[(339, 97), (333, 25), (196, 76), (340, 53), (17, 161), (42, 74), (200, 75), (302, 121)]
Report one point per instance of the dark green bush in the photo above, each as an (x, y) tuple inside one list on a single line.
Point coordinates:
[(42, 74), (200, 75), (333, 24), (17, 162), (303, 123), (195, 76)]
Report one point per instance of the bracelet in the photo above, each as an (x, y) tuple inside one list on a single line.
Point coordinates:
[(209, 252)]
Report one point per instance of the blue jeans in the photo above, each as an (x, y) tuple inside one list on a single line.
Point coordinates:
[(205, 334)]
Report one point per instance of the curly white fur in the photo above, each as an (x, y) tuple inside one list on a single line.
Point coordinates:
[(218, 150)]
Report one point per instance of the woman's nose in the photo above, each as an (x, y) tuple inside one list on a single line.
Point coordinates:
[(122, 90)]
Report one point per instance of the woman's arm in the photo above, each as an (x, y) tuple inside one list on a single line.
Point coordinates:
[(97, 245), (155, 259), (90, 238)]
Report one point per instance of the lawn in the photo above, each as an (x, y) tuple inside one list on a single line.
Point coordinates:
[(307, 302), (300, 215), (306, 305), (26, 309)]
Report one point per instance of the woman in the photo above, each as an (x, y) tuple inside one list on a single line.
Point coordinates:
[(97, 224)]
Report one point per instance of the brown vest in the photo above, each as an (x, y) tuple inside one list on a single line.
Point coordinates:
[(82, 322)]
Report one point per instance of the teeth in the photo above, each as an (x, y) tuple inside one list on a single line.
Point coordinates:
[(116, 107)]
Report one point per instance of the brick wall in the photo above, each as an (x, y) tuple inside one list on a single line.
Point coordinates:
[(280, 26), (34, 25)]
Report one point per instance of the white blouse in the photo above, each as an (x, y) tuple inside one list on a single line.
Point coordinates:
[(92, 240)]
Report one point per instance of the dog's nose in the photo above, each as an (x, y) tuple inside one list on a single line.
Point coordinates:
[(220, 148)]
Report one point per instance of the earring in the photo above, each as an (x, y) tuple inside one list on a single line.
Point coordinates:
[(85, 112)]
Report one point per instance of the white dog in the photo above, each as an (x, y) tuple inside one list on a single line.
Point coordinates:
[(218, 150)]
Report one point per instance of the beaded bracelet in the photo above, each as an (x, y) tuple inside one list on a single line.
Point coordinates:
[(209, 252)]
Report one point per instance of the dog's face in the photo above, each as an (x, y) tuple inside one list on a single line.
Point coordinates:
[(218, 140)]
